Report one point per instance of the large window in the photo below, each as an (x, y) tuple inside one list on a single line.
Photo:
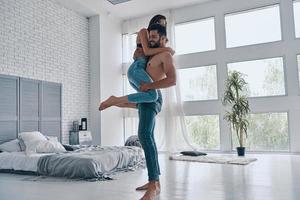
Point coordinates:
[(253, 27), (127, 88), (297, 17), (252, 42), (204, 131), (264, 77), (266, 132), (196, 36), (129, 46), (198, 83)]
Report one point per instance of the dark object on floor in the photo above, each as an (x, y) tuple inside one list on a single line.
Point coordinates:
[(11, 171), (133, 141), (193, 153), (69, 147)]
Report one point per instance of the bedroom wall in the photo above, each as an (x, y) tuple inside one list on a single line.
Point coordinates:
[(42, 40)]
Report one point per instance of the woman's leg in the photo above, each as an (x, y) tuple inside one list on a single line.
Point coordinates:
[(136, 76)]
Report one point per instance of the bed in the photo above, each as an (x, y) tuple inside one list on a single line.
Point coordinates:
[(87, 163), (34, 105)]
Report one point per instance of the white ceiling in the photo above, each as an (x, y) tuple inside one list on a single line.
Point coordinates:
[(128, 10)]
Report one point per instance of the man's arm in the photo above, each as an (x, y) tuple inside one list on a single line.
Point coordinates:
[(170, 71)]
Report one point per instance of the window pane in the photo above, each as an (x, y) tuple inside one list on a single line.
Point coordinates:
[(131, 126), (204, 131), (129, 46), (297, 17), (266, 132), (197, 36), (264, 77), (198, 83), (127, 87), (253, 27)]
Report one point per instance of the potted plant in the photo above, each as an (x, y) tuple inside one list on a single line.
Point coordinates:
[(235, 95)]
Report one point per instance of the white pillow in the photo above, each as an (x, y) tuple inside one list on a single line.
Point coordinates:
[(11, 146), (30, 136), (42, 146)]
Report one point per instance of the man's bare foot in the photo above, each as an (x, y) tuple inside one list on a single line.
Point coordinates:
[(143, 187), (108, 102), (152, 192)]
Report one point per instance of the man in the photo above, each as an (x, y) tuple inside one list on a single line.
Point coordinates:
[(162, 71)]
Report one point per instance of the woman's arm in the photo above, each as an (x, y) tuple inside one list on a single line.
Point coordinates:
[(143, 34)]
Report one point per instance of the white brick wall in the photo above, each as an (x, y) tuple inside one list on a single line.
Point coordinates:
[(42, 40)]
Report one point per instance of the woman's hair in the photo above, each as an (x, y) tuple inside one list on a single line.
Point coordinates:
[(156, 20)]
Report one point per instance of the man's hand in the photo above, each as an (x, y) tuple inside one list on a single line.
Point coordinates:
[(145, 86)]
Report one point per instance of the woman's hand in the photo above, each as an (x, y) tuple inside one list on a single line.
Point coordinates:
[(169, 49)]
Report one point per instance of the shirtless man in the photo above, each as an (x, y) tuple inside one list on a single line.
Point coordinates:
[(162, 71)]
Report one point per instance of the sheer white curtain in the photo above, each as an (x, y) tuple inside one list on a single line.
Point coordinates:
[(171, 133)]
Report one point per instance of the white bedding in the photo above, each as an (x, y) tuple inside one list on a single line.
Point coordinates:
[(20, 161)]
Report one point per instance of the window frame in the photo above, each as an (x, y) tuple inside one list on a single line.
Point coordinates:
[(251, 10), (217, 87), (195, 21), (219, 129), (265, 58), (294, 20), (288, 134)]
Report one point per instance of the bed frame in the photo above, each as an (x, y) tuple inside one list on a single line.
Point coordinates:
[(29, 105)]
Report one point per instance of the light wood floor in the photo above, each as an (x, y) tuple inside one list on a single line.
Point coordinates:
[(272, 177)]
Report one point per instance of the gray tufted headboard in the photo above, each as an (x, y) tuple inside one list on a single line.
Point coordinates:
[(29, 105)]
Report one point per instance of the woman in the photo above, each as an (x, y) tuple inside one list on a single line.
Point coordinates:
[(137, 71)]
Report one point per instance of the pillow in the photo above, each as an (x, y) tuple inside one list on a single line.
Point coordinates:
[(44, 146), (30, 136), (193, 153), (34, 135), (133, 141), (11, 146)]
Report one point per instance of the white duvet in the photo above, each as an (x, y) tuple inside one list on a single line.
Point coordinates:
[(20, 160)]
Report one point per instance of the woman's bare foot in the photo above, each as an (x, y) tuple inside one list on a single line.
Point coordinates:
[(152, 192), (112, 100), (143, 187)]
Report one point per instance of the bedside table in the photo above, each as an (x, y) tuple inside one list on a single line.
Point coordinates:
[(80, 137), (85, 137)]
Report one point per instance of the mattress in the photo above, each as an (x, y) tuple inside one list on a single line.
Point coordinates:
[(20, 161)]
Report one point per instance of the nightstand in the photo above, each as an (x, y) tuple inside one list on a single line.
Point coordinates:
[(80, 137), (85, 137)]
